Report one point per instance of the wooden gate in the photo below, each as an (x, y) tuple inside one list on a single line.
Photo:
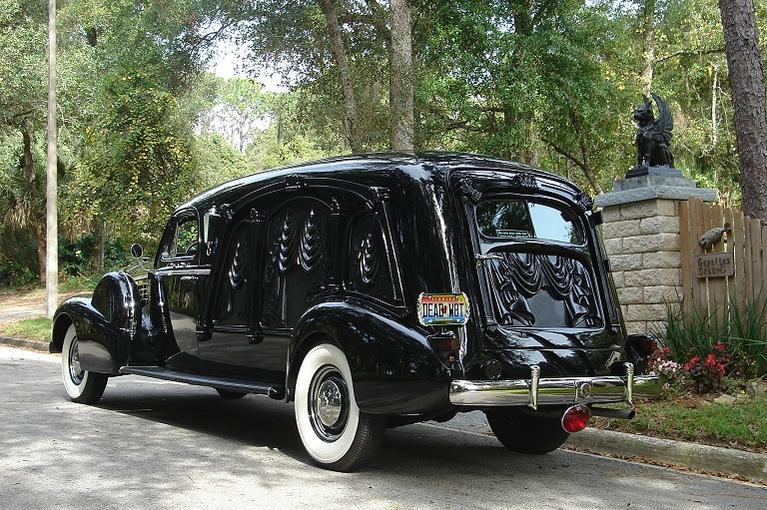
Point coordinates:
[(745, 247)]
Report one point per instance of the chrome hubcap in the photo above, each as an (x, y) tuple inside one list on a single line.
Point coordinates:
[(76, 373), (328, 403)]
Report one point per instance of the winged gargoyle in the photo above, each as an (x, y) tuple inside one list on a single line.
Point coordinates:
[(653, 137)]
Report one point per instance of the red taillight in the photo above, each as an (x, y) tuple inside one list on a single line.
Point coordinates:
[(576, 418)]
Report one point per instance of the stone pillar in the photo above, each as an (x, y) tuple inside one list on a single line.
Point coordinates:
[(641, 236)]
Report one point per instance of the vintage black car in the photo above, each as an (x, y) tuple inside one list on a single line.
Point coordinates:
[(375, 291)]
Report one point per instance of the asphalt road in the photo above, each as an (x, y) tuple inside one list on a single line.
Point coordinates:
[(154, 444)]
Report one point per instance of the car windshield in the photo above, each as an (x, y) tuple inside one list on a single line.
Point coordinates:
[(511, 218)]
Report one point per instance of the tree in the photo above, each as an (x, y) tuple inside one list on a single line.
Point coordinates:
[(242, 107), (648, 46), (401, 77), (138, 164), (22, 111), (746, 73), (330, 10)]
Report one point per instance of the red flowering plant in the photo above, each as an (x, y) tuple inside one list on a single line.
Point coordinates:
[(707, 373)]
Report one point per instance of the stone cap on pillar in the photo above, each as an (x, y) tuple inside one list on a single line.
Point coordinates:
[(657, 182)]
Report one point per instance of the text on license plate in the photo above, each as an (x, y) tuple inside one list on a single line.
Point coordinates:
[(443, 309)]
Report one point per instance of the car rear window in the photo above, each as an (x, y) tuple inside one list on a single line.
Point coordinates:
[(511, 218)]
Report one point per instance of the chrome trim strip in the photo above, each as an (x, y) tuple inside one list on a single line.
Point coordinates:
[(182, 271), (552, 391)]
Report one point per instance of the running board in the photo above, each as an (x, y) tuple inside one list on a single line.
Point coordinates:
[(275, 391)]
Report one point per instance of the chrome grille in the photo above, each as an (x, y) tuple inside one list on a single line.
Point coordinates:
[(142, 283)]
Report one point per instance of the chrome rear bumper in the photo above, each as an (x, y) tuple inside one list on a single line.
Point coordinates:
[(554, 390)]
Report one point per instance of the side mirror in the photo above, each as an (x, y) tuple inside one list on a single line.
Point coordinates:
[(136, 250)]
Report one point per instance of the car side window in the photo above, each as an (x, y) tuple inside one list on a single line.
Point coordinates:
[(180, 242), (186, 241), (367, 263)]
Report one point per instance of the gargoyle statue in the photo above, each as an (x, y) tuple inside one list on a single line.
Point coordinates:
[(654, 135)]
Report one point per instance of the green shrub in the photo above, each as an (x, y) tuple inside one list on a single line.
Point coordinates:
[(14, 274), (748, 338)]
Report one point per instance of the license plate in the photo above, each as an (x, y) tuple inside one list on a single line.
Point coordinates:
[(443, 309)]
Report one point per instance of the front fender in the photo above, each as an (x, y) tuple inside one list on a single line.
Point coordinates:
[(105, 323), (394, 368)]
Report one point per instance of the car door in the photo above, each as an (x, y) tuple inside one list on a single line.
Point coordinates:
[(229, 343), (296, 270), (181, 279)]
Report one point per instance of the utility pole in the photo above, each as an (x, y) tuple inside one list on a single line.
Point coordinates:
[(52, 241)]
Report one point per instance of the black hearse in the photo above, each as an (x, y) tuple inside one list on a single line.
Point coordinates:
[(375, 291)]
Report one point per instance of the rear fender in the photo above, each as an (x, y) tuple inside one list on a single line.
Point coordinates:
[(394, 368)]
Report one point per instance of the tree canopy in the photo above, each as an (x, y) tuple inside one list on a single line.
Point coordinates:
[(144, 125)]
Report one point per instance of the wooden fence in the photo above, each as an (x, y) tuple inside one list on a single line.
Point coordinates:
[(712, 283)]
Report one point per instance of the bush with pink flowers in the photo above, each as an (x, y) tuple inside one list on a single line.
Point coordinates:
[(671, 374)]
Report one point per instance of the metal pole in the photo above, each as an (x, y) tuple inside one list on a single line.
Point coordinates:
[(52, 242)]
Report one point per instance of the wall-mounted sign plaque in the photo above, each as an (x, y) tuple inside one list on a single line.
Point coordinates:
[(714, 265)]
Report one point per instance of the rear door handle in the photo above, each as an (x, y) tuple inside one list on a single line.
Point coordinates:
[(485, 257), (188, 278)]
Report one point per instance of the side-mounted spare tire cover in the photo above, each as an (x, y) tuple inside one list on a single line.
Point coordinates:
[(117, 298)]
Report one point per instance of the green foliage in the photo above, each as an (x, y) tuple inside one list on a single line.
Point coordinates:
[(142, 128), (21, 201), (747, 334), (138, 160), (243, 104), (77, 257), (16, 274), (217, 161), (23, 68)]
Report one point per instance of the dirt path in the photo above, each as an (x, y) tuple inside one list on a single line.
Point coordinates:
[(18, 304)]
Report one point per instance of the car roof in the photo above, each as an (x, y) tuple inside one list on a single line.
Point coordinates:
[(367, 165)]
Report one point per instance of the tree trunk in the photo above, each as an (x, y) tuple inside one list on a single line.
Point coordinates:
[(401, 77), (34, 188), (746, 72), (714, 122), (330, 9), (41, 236), (648, 43), (99, 237)]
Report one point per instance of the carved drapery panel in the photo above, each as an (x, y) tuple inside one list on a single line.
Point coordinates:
[(295, 269), (368, 270), (309, 249), (519, 280), (233, 294), (286, 243)]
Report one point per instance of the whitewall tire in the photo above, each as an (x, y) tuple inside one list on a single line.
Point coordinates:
[(335, 433), (81, 385)]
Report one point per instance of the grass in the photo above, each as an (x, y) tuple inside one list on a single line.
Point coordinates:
[(741, 425), (38, 328)]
